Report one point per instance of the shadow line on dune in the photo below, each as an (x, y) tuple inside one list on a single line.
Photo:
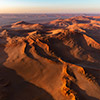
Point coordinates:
[(19, 89), (81, 94)]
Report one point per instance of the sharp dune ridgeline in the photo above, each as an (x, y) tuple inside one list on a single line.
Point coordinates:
[(59, 60)]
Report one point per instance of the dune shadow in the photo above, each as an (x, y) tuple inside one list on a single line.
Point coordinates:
[(60, 50), (42, 53), (19, 89), (63, 51), (81, 94), (92, 34)]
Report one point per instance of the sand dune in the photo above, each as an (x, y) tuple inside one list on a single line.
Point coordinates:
[(58, 60), (25, 25)]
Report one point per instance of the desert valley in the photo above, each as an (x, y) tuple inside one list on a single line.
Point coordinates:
[(54, 60)]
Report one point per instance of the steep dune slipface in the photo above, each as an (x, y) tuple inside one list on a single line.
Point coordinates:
[(52, 64)]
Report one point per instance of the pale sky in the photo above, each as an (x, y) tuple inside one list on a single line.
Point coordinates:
[(49, 6)]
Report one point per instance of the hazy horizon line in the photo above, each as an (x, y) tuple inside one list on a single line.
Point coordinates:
[(50, 13)]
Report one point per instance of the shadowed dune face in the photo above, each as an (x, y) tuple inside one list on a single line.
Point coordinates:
[(12, 83), (55, 61)]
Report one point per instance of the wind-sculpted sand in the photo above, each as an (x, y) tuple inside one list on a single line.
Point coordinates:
[(59, 60)]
